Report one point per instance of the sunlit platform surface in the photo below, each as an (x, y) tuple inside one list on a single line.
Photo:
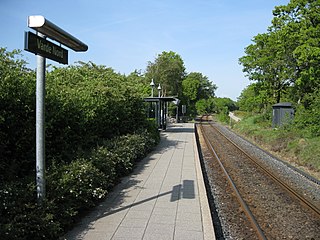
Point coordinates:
[(164, 198)]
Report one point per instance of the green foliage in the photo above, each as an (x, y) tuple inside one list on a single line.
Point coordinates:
[(287, 55), (87, 104), (95, 131), (22, 218), (266, 62), (17, 115), (308, 153), (300, 21), (290, 141), (71, 188), (168, 69), (284, 64), (195, 88), (202, 107), (223, 105), (191, 85), (252, 99), (80, 183), (104, 159), (308, 118), (152, 133), (139, 83), (102, 96), (220, 106)]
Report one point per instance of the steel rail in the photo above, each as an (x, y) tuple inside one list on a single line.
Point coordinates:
[(273, 176), (243, 204)]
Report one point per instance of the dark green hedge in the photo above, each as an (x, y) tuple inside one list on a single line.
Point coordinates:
[(71, 188), (85, 104), (96, 130)]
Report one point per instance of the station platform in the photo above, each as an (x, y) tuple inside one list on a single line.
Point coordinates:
[(164, 197)]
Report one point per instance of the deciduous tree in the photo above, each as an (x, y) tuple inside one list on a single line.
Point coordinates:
[(168, 69), (196, 87)]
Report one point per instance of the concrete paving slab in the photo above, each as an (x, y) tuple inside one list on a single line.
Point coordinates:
[(164, 198), (182, 234)]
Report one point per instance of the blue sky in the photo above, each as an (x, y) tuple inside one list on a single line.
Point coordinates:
[(209, 35)]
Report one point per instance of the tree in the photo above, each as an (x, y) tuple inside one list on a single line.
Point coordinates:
[(168, 69), (300, 21), (196, 87), (202, 107), (223, 105), (266, 62), (252, 98), (139, 83), (288, 55)]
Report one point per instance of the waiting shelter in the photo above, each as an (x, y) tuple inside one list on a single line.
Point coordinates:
[(159, 108)]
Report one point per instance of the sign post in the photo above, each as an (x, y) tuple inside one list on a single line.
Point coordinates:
[(40, 131), (39, 45), (45, 49)]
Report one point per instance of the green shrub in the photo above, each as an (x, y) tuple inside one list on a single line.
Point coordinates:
[(88, 146), (22, 218), (104, 160), (308, 118), (151, 133), (124, 153), (79, 185), (223, 117), (17, 116)]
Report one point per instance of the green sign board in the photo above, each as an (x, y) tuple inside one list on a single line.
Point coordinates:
[(47, 49)]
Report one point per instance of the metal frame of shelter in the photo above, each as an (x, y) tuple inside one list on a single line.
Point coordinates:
[(161, 109)]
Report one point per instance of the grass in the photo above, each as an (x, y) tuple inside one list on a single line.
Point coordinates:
[(307, 151), (289, 144)]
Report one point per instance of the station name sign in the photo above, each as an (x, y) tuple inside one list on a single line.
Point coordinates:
[(47, 49)]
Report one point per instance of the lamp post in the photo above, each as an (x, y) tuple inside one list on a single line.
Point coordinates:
[(152, 87), (159, 90), (159, 108)]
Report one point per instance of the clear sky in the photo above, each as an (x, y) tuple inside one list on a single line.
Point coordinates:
[(209, 35)]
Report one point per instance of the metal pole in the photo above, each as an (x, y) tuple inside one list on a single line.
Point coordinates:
[(156, 116), (40, 129), (177, 114), (159, 114)]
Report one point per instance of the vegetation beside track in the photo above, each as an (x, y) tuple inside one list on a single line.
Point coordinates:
[(283, 66), (291, 143)]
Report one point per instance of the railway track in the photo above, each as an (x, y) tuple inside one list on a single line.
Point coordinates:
[(267, 207)]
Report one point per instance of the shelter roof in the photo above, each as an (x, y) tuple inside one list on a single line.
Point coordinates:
[(163, 99), (282, 104)]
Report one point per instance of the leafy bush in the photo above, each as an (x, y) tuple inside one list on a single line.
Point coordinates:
[(90, 104), (71, 188), (95, 131), (22, 218), (17, 116), (308, 118), (80, 182), (104, 159)]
